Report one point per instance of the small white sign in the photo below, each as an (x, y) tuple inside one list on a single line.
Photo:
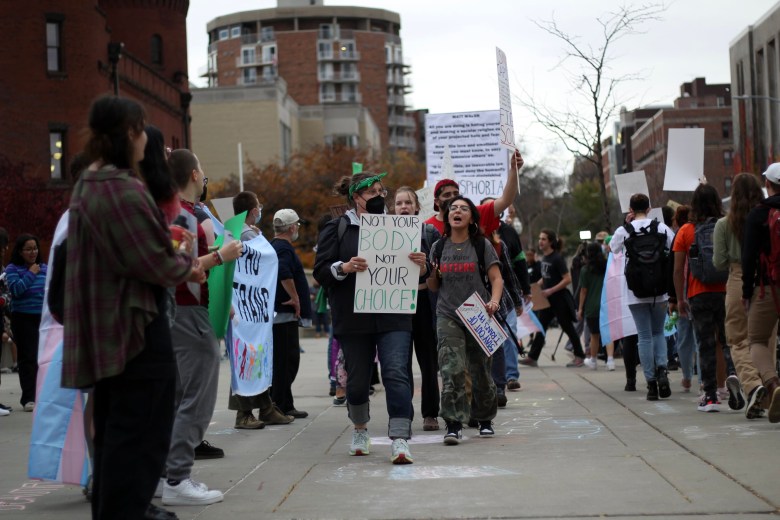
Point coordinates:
[(684, 159), (507, 136), (426, 198), (629, 184), (224, 208), (484, 327), (390, 283)]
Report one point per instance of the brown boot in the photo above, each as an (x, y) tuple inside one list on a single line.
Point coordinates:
[(247, 421), (275, 416), (773, 393)]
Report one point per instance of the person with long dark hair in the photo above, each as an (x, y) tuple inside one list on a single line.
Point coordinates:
[(591, 283), (157, 175), (729, 232), (704, 302), (363, 336), (456, 277), (26, 279), (116, 334), (555, 280)]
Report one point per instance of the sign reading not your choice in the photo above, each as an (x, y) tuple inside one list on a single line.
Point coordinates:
[(389, 285)]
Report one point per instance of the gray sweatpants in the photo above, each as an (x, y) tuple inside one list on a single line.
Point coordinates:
[(197, 360)]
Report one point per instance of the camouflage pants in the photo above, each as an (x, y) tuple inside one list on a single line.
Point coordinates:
[(460, 356)]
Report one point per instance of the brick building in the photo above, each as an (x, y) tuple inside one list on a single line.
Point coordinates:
[(328, 56), (63, 55), (699, 106)]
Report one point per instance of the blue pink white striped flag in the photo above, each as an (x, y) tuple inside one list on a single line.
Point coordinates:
[(615, 320)]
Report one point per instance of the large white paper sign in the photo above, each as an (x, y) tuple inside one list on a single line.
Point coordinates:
[(426, 198), (484, 327), (684, 159), (389, 285), (224, 208), (507, 134), (473, 140), (628, 184)]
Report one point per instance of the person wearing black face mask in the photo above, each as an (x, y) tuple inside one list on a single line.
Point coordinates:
[(363, 336)]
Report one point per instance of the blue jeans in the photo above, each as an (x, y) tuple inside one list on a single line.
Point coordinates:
[(393, 349), (687, 346), (510, 349), (649, 319)]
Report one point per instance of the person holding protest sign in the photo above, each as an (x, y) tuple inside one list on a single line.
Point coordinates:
[(456, 277), (116, 334), (490, 212), (364, 335), (407, 203)]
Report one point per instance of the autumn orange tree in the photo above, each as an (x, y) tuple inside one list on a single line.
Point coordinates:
[(306, 182)]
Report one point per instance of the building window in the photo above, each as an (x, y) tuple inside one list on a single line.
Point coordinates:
[(157, 49), (286, 142), (54, 46), (325, 50), (726, 130), (247, 56), (728, 157), (690, 125), (235, 31), (249, 76), (346, 141), (56, 153), (266, 34), (223, 34), (269, 54), (348, 49), (727, 185), (327, 31)]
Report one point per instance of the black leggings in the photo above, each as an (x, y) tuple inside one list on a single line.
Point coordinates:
[(559, 308)]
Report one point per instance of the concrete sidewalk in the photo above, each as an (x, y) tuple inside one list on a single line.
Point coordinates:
[(571, 444)]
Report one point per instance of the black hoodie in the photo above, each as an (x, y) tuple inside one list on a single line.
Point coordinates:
[(754, 243)]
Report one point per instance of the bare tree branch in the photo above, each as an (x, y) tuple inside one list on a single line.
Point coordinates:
[(581, 130)]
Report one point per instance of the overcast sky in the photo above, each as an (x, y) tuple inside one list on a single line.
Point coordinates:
[(451, 48)]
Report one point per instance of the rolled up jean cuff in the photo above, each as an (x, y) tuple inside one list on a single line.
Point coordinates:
[(358, 413), (399, 428)]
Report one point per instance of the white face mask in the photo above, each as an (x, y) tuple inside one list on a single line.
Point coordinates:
[(295, 235), (259, 216)]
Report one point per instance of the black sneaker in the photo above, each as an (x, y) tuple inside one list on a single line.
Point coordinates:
[(205, 450), (652, 390), (664, 390), (736, 399), (454, 433), (486, 429), (630, 385), (754, 410)]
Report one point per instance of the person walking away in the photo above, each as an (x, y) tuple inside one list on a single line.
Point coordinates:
[(760, 297), (727, 254), (647, 243), (591, 284)]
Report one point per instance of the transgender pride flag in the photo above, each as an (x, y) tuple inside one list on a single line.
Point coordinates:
[(58, 448), (615, 320)]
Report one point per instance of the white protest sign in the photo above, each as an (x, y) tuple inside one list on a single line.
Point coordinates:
[(426, 198), (484, 327), (389, 285), (479, 162), (507, 135), (251, 344), (629, 184), (684, 159), (656, 213), (224, 208)]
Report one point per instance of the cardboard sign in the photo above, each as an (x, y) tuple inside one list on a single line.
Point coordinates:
[(684, 159), (629, 184), (507, 133), (537, 298), (389, 285), (484, 327)]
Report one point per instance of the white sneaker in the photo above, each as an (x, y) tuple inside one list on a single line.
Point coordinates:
[(190, 493), (590, 363), (361, 443), (611, 365), (400, 453), (29, 406), (4, 412)]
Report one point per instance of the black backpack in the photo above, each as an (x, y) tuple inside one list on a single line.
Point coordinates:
[(701, 252), (647, 258)]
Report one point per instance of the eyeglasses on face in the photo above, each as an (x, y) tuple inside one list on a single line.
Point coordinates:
[(458, 207), (205, 180), (29, 249), (373, 192)]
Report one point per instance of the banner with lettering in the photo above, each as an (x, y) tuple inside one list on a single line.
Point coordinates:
[(484, 327), (250, 345), (389, 285)]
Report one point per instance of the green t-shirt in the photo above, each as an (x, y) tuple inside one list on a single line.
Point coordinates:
[(592, 283)]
